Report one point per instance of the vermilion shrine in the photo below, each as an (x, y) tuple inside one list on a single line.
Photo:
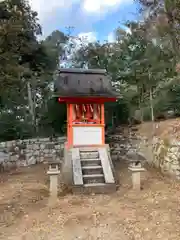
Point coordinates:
[(87, 159)]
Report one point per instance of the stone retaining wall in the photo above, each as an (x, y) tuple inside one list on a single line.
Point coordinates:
[(29, 152), (164, 154)]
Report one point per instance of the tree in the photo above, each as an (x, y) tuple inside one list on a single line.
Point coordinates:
[(27, 66), (17, 40), (164, 15), (135, 71)]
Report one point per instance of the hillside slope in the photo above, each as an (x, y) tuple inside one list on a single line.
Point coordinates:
[(164, 129)]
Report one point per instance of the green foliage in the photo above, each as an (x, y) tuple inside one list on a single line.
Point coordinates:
[(13, 128), (143, 66), (54, 119), (137, 67), (27, 67), (18, 30)]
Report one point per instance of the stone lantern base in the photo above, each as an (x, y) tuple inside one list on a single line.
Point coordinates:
[(136, 176), (53, 174)]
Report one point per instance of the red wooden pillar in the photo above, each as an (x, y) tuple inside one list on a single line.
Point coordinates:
[(69, 125), (103, 123)]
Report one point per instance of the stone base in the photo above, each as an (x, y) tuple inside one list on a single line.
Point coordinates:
[(66, 168), (136, 177), (95, 189), (137, 169), (53, 188)]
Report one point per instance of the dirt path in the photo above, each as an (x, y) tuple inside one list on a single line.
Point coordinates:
[(154, 213)]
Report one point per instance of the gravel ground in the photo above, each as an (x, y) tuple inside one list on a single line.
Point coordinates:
[(25, 213)]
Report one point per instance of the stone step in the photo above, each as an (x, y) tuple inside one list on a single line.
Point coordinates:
[(88, 149), (86, 170), (96, 188), (89, 155), (96, 173), (90, 162), (93, 178), (94, 184)]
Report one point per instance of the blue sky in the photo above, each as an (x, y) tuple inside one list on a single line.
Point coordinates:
[(94, 19)]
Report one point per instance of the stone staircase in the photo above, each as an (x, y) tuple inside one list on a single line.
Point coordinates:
[(92, 171)]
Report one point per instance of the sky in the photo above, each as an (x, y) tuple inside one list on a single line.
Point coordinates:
[(93, 19)]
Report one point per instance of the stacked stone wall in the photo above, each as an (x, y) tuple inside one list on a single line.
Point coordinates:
[(30, 151)]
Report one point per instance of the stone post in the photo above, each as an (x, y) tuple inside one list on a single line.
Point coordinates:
[(136, 176), (53, 174)]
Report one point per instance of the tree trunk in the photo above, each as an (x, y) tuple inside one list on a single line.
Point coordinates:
[(151, 104), (140, 105), (152, 112), (31, 106)]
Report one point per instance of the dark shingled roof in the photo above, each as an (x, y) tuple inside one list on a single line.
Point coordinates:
[(83, 83)]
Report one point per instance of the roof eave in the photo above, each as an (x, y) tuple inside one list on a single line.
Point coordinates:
[(82, 71)]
